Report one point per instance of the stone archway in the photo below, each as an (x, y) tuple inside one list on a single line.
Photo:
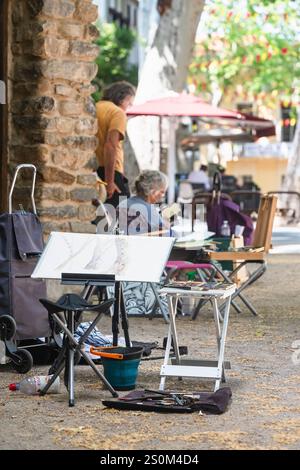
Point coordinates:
[(51, 116)]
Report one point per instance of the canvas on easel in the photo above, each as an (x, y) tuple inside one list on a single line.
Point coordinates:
[(128, 258)]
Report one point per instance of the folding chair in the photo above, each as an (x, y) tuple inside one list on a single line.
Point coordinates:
[(248, 255)]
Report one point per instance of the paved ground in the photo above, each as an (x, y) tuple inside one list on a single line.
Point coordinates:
[(286, 240), (265, 410)]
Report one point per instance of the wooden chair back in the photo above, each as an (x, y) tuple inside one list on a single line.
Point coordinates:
[(264, 225)]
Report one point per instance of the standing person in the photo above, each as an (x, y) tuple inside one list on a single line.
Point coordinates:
[(112, 120), (200, 177)]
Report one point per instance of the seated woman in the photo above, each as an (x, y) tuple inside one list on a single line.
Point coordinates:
[(140, 213), (137, 215)]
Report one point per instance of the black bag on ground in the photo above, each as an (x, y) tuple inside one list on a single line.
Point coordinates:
[(173, 402)]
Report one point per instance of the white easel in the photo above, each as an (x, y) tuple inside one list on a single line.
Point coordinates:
[(94, 260)]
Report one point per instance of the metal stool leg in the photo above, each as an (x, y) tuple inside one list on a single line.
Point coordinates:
[(71, 360)]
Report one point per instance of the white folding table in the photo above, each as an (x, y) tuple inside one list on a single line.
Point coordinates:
[(209, 369)]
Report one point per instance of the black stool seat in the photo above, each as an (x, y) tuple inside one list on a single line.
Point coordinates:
[(72, 306), (75, 303)]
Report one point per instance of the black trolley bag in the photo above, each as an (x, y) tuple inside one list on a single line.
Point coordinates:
[(22, 317)]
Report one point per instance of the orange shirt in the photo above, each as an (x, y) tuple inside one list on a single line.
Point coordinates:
[(110, 118)]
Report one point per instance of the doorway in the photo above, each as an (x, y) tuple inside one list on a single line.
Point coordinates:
[(3, 104)]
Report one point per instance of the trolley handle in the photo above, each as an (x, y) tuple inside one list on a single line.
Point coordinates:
[(21, 167)]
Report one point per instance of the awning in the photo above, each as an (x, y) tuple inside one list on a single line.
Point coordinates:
[(181, 104)]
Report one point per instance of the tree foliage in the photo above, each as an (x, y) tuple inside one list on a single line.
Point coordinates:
[(251, 47), (115, 45)]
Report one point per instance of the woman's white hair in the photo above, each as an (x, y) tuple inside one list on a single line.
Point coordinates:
[(148, 181)]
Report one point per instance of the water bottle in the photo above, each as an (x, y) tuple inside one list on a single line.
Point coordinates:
[(188, 303), (33, 385), (225, 229)]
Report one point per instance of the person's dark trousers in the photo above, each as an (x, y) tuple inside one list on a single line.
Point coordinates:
[(121, 181)]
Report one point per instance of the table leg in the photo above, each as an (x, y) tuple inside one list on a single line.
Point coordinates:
[(116, 314), (124, 318), (173, 309), (222, 340), (172, 337)]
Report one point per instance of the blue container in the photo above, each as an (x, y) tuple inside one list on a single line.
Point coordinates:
[(122, 373)]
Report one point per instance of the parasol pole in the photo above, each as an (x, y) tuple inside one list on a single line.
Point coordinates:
[(172, 160)]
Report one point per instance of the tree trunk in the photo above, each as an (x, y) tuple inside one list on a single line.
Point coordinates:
[(165, 68)]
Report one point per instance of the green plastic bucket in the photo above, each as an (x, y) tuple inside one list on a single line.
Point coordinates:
[(122, 373)]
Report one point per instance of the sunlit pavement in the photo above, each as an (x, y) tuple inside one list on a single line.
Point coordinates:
[(286, 240)]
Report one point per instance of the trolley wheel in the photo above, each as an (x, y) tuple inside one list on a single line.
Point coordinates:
[(8, 327), (22, 361)]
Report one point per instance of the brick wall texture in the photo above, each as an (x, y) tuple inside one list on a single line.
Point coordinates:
[(52, 121)]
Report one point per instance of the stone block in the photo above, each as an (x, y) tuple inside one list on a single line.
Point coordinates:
[(17, 13), (91, 32), (72, 159), (68, 70), (17, 34), (22, 194), (54, 175), (86, 11), (84, 50), (54, 47), (41, 105), (86, 90), (87, 179), (90, 107), (59, 212), (86, 126), (35, 154), (53, 193), (70, 108), (21, 89), (34, 136), (49, 227), (82, 142), (17, 49), (65, 125), (27, 71), (91, 163), (86, 212), (83, 194), (52, 138), (52, 8), (64, 90), (81, 227), (34, 122), (71, 30), (38, 29)]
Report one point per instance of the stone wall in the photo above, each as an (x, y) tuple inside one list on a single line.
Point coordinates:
[(52, 120)]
